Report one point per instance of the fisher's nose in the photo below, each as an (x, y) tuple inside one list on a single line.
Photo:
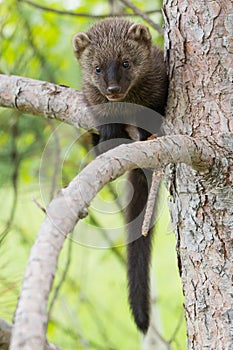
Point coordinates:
[(114, 89)]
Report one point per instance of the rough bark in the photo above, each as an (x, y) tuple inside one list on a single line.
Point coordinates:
[(199, 37), (43, 98)]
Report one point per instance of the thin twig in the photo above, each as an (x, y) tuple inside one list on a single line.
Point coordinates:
[(81, 14), (38, 205), (113, 248), (179, 323), (156, 177), (161, 338), (30, 37), (143, 14), (15, 159), (56, 164)]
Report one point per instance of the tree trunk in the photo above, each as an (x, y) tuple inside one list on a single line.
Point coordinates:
[(199, 50)]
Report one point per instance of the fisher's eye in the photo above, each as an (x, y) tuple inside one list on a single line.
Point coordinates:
[(125, 64), (98, 69)]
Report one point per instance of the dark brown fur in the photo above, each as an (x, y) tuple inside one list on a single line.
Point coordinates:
[(108, 45)]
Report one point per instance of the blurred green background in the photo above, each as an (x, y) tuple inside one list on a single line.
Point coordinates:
[(88, 304)]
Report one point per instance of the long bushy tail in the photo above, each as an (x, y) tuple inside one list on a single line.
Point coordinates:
[(139, 250)]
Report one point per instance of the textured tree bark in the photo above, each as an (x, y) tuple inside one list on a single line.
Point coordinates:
[(43, 98), (199, 50)]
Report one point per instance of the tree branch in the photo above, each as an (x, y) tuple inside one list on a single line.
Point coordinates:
[(71, 204), (5, 336), (42, 98), (151, 202)]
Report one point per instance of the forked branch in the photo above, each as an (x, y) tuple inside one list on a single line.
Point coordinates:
[(71, 204)]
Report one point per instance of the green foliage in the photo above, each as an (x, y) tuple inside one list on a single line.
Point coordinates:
[(91, 310)]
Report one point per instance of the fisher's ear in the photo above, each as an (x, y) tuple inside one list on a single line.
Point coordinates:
[(139, 32), (80, 41)]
